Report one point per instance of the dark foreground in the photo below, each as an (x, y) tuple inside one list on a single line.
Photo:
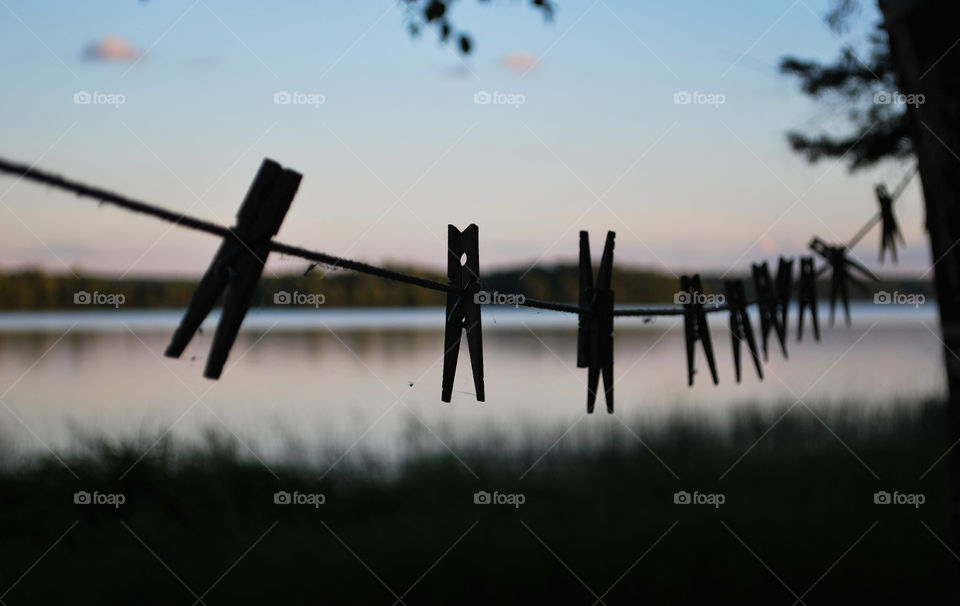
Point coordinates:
[(798, 521)]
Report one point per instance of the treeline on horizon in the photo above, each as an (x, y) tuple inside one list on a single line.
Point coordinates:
[(31, 289)]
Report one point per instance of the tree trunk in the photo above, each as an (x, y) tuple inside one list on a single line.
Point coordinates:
[(922, 34)]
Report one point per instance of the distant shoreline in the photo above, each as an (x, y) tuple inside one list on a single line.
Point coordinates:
[(33, 290)]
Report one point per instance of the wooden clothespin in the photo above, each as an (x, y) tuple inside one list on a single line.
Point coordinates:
[(595, 333), (740, 329), (238, 264), (840, 265), (807, 296), (768, 307), (889, 230), (463, 308), (784, 286), (695, 325)]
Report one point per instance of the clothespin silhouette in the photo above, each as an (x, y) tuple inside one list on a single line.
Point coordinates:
[(463, 308), (740, 329), (784, 286), (889, 230), (807, 296), (595, 333), (695, 325), (238, 264), (840, 265), (768, 306)]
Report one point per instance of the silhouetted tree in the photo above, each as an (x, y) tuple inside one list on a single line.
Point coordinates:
[(879, 130), (922, 40), (436, 14), (913, 53)]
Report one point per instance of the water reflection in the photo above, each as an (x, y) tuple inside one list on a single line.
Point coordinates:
[(329, 379)]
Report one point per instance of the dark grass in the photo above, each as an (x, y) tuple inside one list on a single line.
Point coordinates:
[(597, 522)]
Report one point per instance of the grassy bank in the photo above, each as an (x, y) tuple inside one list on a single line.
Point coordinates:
[(798, 514)]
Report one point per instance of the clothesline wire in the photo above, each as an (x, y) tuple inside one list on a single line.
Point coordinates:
[(108, 197)]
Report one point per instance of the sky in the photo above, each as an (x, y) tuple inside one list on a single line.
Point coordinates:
[(583, 130)]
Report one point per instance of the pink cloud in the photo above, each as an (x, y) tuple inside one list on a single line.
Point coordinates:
[(111, 48), (769, 246), (519, 61)]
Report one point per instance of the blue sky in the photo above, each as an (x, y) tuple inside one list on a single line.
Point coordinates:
[(399, 148)]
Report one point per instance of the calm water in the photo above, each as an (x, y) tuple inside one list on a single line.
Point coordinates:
[(330, 378)]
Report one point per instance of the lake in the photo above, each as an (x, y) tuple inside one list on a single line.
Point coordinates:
[(369, 379)]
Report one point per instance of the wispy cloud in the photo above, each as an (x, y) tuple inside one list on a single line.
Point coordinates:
[(456, 72)]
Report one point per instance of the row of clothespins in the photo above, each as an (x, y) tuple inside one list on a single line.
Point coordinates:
[(239, 262), (772, 298)]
